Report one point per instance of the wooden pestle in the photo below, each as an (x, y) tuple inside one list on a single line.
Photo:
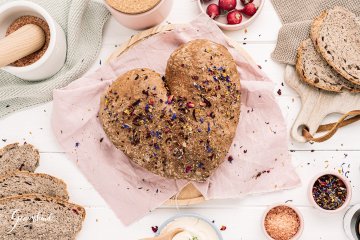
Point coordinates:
[(24, 41), (166, 236)]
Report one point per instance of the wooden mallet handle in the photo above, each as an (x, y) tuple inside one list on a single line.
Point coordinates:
[(166, 236), (24, 41)]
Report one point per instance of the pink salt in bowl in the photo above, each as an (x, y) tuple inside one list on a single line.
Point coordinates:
[(339, 176), (298, 213), (221, 20)]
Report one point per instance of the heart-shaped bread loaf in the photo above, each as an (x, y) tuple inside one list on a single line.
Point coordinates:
[(180, 126)]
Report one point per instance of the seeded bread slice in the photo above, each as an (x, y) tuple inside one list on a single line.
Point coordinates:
[(21, 182), (315, 71), (39, 217), (336, 36), (18, 157)]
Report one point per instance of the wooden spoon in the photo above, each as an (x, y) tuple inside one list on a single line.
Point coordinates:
[(24, 41), (167, 235)]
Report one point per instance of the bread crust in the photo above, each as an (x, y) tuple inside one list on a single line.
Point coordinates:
[(300, 70), (40, 175), (190, 125), (76, 209), (46, 198), (23, 165), (315, 36), (315, 71)]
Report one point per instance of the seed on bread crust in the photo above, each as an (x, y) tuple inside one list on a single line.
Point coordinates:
[(187, 130)]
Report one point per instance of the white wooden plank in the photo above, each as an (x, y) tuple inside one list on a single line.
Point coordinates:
[(37, 129), (288, 99), (307, 164), (260, 53), (242, 217), (242, 224), (31, 125), (262, 30)]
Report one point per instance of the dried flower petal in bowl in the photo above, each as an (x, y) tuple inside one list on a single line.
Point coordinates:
[(330, 192)]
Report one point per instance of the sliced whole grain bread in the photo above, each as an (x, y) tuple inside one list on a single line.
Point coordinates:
[(18, 157), (336, 36), (21, 182), (315, 71), (39, 217)]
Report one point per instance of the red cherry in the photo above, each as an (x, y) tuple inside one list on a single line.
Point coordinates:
[(246, 1), (213, 11), (234, 17), (227, 5), (155, 229), (249, 9)]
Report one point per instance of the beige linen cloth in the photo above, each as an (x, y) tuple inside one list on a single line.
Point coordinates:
[(297, 15)]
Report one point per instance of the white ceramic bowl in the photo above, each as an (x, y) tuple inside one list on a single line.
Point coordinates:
[(161, 228), (351, 222), (347, 185), (54, 57), (298, 234), (221, 21), (144, 20)]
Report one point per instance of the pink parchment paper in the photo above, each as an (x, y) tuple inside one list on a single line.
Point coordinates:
[(259, 159)]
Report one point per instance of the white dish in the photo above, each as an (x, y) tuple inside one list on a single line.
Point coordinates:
[(221, 21), (53, 59), (351, 223), (144, 20), (193, 225)]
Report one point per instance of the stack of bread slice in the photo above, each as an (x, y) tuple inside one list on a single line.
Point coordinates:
[(330, 58), (33, 205)]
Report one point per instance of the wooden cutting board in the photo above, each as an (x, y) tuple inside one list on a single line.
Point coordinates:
[(317, 104), (188, 195)]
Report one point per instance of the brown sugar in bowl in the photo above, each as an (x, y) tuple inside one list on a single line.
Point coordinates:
[(22, 21), (282, 222), (139, 14), (133, 6)]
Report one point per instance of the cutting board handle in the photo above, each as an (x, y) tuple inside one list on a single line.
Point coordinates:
[(21, 43), (316, 105), (306, 119), (311, 113)]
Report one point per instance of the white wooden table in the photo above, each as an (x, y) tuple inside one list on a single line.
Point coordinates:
[(241, 217)]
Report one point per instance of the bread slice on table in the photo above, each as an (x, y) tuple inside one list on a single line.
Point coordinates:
[(21, 182), (18, 157), (39, 217), (336, 36), (315, 71)]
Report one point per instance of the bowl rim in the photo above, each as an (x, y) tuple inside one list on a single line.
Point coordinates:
[(242, 24), (301, 218), (348, 217), (53, 34), (194, 215), (341, 177), (155, 8)]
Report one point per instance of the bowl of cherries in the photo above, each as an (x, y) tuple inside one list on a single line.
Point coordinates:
[(232, 15)]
